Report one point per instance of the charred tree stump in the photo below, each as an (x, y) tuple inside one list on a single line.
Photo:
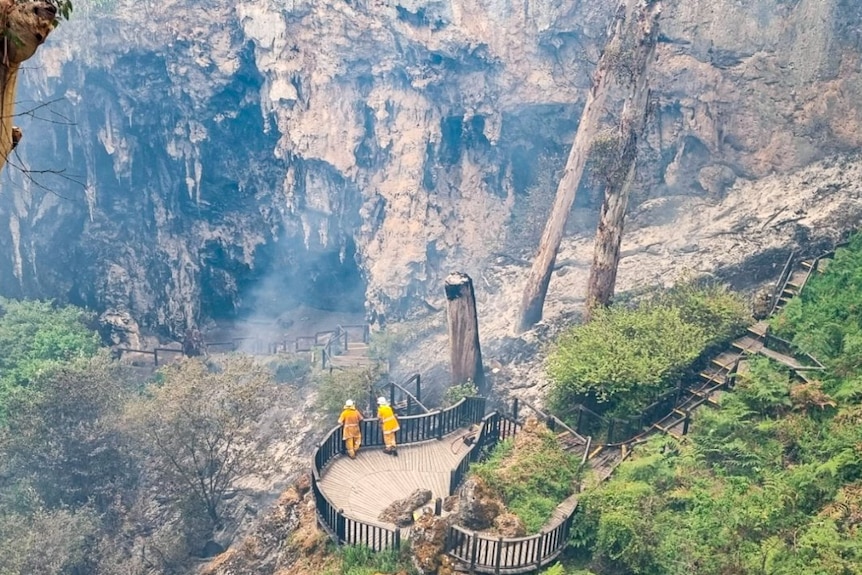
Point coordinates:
[(464, 350)]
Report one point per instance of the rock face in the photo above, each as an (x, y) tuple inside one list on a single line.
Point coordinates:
[(401, 512), (477, 505), (238, 156)]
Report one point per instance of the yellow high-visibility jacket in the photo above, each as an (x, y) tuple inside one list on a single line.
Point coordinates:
[(350, 419), (388, 421)]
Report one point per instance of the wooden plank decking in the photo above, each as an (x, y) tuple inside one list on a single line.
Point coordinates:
[(364, 486)]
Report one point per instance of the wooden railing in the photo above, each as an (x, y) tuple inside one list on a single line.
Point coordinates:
[(414, 429), (153, 353), (495, 427), (483, 553), (348, 531), (260, 346), (781, 282), (400, 397)]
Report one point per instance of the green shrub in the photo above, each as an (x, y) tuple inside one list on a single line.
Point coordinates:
[(336, 386), (289, 368), (626, 357), (455, 393), (36, 336), (383, 344), (360, 560), (826, 320), (532, 474)]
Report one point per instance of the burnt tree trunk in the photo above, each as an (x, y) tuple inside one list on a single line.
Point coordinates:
[(464, 350), (533, 298), (643, 32)]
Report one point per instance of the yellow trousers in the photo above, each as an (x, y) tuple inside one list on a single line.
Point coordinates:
[(352, 444), (389, 440)]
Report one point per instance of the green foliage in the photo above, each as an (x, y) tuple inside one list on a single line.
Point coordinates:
[(455, 393), (826, 321), (37, 336), (63, 440), (200, 428), (532, 475), (360, 560), (289, 368), (765, 387), (383, 344), (47, 542), (627, 357), (336, 386), (757, 488)]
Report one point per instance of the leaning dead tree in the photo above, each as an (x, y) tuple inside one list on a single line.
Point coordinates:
[(25, 26), (615, 157), (533, 298), (464, 350)]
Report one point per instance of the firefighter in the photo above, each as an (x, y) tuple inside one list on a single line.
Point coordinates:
[(351, 431), (389, 425)]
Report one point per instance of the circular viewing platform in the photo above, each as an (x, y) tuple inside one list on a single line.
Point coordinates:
[(363, 487)]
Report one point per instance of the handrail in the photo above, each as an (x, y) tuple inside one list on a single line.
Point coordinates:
[(326, 353), (797, 353), (781, 283), (414, 429), (392, 387), (557, 420), (510, 555)]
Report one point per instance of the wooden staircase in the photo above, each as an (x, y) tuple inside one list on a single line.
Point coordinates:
[(356, 355)]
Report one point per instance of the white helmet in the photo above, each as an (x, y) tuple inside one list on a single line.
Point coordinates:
[(382, 401), (348, 403)]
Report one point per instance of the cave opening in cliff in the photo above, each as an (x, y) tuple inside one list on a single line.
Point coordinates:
[(288, 284)]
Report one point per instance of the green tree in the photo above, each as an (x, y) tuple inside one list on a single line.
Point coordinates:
[(201, 428), (63, 438), (36, 336)]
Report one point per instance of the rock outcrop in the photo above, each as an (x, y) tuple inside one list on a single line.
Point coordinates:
[(478, 505), (256, 154), (401, 512)]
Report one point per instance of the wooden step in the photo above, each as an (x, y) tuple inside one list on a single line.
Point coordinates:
[(748, 344), (725, 359), (759, 329), (715, 373), (823, 264), (807, 264)]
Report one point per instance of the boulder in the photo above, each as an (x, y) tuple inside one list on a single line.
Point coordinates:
[(509, 525), (427, 544), (478, 505), (401, 512)]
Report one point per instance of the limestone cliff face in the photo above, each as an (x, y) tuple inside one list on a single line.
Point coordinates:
[(236, 153)]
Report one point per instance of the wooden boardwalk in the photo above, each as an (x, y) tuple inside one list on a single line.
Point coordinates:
[(365, 486)]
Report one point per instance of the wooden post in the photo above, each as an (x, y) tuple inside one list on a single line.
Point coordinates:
[(464, 350), (438, 506), (515, 409), (474, 551)]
